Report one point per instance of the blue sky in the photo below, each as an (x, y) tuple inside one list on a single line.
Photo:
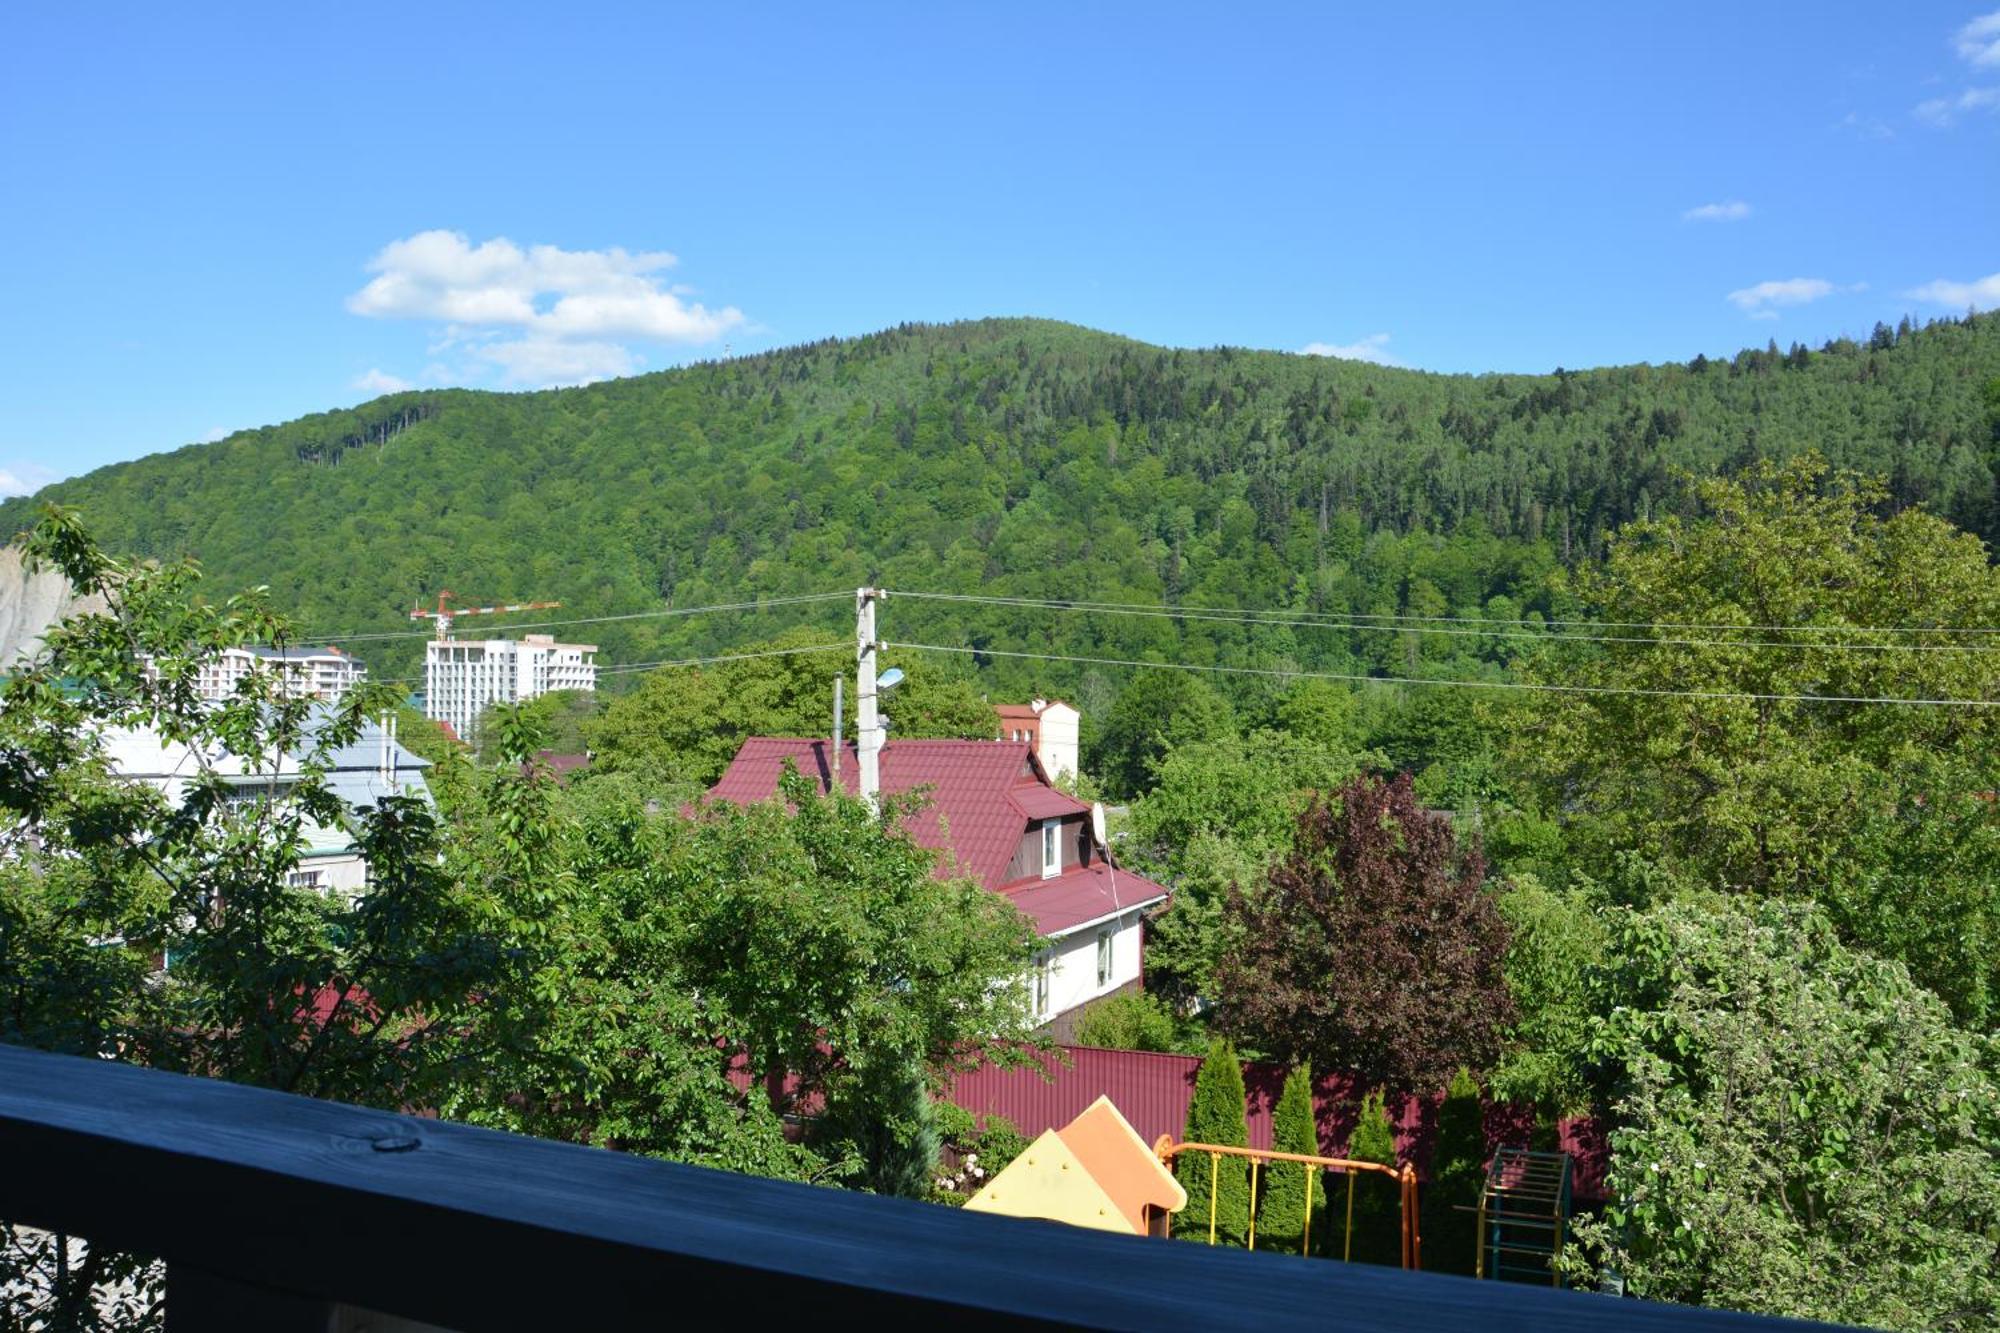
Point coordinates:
[(226, 219)]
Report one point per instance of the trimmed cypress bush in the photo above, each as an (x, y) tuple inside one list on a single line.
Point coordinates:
[(1216, 1115), (1458, 1169), (1377, 1208), (1281, 1188)]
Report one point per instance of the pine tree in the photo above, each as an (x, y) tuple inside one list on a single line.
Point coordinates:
[(1458, 1169), (1216, 1116), (1281, 1188), (1377, 1235)]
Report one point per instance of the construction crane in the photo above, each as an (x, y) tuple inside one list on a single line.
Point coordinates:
[(446, 613)]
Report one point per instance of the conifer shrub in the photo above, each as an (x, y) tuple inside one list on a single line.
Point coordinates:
[(1377, 1235), (1216, 1115), (1281, 1189), (1458, 1169)]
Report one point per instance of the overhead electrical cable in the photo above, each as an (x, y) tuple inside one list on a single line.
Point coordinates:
[(1286, 674), (1402, 621), (624, 667), (759, 605)]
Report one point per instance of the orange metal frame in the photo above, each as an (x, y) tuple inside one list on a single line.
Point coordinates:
[(1405, 1177)]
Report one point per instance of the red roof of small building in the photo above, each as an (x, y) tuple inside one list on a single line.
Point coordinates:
[(981, 798), (978, 791), (1081, 895)]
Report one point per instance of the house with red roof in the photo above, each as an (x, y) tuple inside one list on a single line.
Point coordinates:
[(992, 812)]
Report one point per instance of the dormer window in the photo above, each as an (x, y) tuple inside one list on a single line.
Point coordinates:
[(1051, 848)]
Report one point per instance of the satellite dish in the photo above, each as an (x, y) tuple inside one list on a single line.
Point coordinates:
[(1097, 824), (889, 679)]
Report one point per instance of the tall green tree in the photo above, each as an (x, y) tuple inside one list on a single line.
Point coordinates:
[(106, 879), (1218, 1187), (1375, 1213), (1285, 1187), (1732, 737), (1801, 1129), (1156, 712), (1458, 1171)]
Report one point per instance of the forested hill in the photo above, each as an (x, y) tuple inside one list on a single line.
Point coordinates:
[(1025, 457)]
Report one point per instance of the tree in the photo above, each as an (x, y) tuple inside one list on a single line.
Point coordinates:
[(1283, 1186), (1377, 1211), (1372, 947), (1135, 1021), (563, 717), (1715, 752), (805, 942), (683, 725), (1157, 711), (1556, 943), (105, 879), (935, 703), (1219, 813), (1216, 1115), (1458, 1172), (1801, 1129)]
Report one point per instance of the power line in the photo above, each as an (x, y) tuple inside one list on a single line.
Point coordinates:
[(624, 667), (1732, 695), (758, 605), (1394, 619)]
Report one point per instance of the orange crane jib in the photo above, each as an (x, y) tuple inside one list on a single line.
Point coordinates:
[(446, 612)]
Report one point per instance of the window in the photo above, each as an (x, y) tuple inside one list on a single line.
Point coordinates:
[(1042, 986), (1103, 959), (305, 879), (1051, 848)]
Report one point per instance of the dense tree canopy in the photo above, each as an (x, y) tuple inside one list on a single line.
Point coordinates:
[(1771, 774), (1802, 1131), (1373, 946), (1030, 458)]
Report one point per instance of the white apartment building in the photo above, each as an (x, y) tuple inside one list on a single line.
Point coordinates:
[(322, 673), (462, 677)]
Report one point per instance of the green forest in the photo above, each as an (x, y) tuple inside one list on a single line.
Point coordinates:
[(1030, 458)]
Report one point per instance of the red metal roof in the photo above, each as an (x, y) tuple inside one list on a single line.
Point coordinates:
[(1039, 802), (980, 793), (1083, 894), (1153, 1090)]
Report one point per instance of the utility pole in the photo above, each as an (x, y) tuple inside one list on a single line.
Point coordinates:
[(867, 721), (833, 755)]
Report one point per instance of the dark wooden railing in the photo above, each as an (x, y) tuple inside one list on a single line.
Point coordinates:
[(280, 1212)]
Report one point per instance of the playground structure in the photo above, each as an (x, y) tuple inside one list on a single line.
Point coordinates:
[(1523, 1215), (1093, 1172), (1405, 1177)]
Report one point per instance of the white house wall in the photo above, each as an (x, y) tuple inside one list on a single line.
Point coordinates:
[(1072, 964)]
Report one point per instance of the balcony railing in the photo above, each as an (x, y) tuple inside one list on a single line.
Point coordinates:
[(280, 1212)]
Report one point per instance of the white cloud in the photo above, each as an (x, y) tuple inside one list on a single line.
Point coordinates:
[(550, 361), (441, 276), (1978, 42), (1763, 300), (544, 315), (1735, 210), (25, 478), (214, 433), (380, 382), (1375, 347), (1983, 293), (1942, 112)]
